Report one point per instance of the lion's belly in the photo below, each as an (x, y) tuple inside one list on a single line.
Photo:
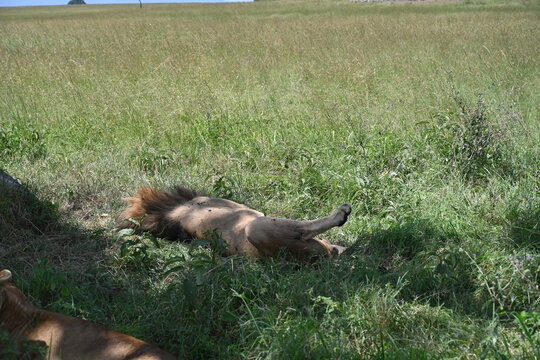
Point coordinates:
[(229, 219)]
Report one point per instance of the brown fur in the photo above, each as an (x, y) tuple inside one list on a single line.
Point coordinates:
[(183, 214), (67, 337)]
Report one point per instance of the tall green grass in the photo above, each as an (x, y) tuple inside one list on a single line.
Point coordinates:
[(423, 116)]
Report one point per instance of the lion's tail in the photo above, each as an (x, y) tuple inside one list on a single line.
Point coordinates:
[(147, 211)]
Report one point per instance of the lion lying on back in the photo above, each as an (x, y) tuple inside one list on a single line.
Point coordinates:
[(182, 214)]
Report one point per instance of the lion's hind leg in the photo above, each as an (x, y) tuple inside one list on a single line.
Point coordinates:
[(270, 235), (312, 228)]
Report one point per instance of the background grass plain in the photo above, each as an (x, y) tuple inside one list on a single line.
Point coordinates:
[(424, 116)]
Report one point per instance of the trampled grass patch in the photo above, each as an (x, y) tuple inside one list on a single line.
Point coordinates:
[(423, 116)]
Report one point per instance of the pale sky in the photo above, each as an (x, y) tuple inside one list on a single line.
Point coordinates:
[(90, 2)]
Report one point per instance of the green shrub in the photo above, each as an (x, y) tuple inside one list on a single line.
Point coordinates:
[(21, 140)]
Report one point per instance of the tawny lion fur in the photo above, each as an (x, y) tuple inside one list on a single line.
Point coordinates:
[(66, 337), (183, 214)]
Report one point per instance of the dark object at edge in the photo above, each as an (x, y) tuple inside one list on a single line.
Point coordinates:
[(10, 182)]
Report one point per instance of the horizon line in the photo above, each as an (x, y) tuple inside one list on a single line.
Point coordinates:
[(30, 3)]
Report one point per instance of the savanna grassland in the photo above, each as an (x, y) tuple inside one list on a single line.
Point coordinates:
[(423, 116)]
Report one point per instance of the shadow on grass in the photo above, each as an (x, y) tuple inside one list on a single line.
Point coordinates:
[(41, 248), (420, 258), (20, 209), (33, 230)]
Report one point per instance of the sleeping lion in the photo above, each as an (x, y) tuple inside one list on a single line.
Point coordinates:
[(183, 214)]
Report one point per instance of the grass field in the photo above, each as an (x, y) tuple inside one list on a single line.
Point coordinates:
[(423, 116)]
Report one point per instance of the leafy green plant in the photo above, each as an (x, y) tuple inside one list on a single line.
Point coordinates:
[(477, 143), (204, 255), (21, 140), (151, 160), (224, 187), (511, 285), (467, 139), (529, 325), (134, 247)]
